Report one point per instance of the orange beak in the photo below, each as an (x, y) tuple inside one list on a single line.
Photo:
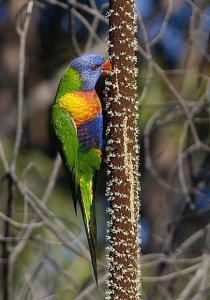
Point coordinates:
[(106, 68)]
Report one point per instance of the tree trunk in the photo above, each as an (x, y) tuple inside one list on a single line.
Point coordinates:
[(123, 256)]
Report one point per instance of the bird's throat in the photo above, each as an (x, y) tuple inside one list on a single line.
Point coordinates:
[(83, 106)]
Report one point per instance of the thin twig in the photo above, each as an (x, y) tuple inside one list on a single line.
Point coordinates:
[(23, 34), (150, 66), (175, 93), (52, 179), (171, 275), (164, 24), (89, 289), (5, 249), (4, 159), (18, 224), (194, 280)]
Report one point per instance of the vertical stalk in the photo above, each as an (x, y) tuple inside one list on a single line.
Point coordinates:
[(122, 189)]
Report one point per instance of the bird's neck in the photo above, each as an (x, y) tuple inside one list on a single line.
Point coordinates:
[(83, 106), (87, 85), (70, 83)]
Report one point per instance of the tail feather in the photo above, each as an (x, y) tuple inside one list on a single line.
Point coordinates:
[(72, 180), (92, 246), (89, 219), (92, 239), (74, 188)]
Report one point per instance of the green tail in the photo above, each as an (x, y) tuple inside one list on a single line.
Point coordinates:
[(88, 163), (89, 218)]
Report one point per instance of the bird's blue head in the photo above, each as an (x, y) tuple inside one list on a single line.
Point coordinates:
[(90, 67)]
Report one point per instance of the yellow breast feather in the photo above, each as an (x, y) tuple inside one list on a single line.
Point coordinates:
[(83, 106)]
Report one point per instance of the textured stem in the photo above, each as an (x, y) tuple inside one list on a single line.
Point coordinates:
[(123, 256)]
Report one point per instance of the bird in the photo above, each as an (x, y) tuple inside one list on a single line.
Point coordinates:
[(77, 126)]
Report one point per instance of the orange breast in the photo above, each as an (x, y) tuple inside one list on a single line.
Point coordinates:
[(83, 106)]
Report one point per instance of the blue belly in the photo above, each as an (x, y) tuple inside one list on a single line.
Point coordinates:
[(90, 134)]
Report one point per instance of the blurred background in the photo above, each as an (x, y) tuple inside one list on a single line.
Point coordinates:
[(49, 253)]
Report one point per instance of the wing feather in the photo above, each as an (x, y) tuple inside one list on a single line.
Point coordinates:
[(65, 134), (81, 168)]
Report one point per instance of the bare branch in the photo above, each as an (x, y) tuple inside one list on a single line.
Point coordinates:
[(23, 34)]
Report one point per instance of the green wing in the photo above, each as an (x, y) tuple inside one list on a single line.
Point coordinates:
[(80, 168), (66, 139)]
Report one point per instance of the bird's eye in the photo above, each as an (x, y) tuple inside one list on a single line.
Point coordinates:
[(95, 67)]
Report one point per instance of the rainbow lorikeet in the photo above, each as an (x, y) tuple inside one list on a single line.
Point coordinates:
[(77, 124)]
